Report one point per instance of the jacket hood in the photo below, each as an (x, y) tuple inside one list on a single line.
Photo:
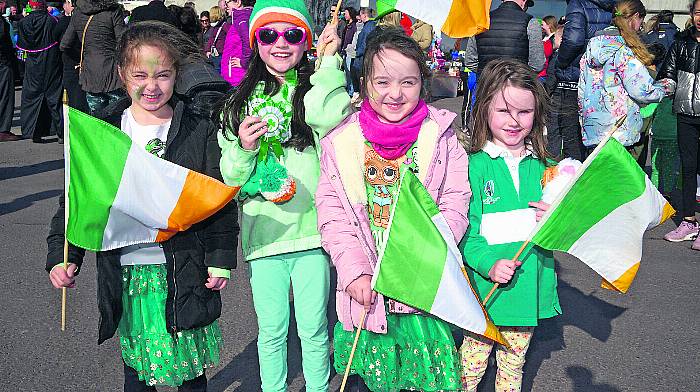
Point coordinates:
[(241, 15), (90, 7), (603, 47), (418, 24), (607, 5), (31, 30)]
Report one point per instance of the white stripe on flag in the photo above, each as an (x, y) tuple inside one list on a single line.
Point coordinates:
[(434, 14), (146, 181), (453, 285), (614, 244), (508, 226)]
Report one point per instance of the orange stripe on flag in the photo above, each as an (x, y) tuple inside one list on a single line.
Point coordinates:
[(623, 283), (467, 18), (201, 197), (667, 212)]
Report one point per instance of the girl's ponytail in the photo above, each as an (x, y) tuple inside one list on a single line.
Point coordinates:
[(624, 10)]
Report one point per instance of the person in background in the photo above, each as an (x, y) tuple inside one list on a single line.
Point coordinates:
[(190, 25), (681, 64), (369, 26), (94, 29), (422, 33), (190, 4), (549, 27), (615, 81), (7, 86), (218, 36), (205, 25), (583, 19), (662, 31), (41, 87), (155, 10), (350, 16), (550, 82), (236, 54), (351, 52), (391, 19), (70, 58)]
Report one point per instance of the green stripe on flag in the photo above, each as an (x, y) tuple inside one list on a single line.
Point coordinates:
[(97, 155), (612, 179), (384, 7), (414, 257)]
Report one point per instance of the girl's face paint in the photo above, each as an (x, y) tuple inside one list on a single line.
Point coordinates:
[(280, 57), (395, 87), (150, 80)]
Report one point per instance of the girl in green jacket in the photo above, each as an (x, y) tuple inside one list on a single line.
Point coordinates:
[(507, 161), (272, 125)]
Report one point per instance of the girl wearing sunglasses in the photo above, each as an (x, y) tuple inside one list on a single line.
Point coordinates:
[(270, 136)]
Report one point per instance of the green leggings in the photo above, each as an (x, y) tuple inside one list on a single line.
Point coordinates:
[(270, 277)]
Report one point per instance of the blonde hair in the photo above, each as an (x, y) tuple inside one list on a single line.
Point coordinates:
[(624, 10), (215, 14), (552, 22)]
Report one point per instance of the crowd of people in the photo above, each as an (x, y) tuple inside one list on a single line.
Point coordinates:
[(317, 144)]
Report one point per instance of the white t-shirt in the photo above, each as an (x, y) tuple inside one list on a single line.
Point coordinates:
[(152, 138)]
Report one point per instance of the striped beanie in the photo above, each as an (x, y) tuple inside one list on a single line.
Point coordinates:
[(290, 11)]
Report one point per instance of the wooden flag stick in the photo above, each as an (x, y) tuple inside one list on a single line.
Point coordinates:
[(495, 286), (354, 347), (65, 209), (322, 45)]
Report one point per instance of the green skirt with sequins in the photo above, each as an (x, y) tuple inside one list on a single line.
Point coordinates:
[(146, 345), (417, 353)]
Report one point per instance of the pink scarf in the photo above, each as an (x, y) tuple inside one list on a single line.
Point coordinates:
[(391, 141)]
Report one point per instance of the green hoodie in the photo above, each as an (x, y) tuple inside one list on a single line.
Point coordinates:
[(274, 228)]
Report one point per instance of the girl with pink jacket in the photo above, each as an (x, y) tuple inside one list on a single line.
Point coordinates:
[(361, 162)]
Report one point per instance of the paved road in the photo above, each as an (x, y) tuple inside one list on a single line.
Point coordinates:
[(646, 340)]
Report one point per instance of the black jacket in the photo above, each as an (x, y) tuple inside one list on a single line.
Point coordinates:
[(506, 36), (583, 19), (682, 64), (99, 70), (7, 50), (664, 35), (155, 10), (191, 143), (69, 56)]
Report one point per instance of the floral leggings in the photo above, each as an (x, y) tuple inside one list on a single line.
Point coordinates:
[(475, 353)]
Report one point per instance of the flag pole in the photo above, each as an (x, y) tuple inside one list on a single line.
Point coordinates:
[(620, 121), (354, 346), (322, 47), (65, 217)]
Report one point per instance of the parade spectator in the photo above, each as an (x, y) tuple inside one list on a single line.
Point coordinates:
[(513, 34), (352, 70), (41, 88), (348, 36), (155, 10), (681, 64), (549, 28), (583, 19), (190, 25), (661, 31), (369, 26), (7, 85), (236, 54), (205, 24), (392, 19), (422, 33), (176, 10), (217, 38), (614, 80), (95, 28), (190, 4), (550, 82), (70, 57)]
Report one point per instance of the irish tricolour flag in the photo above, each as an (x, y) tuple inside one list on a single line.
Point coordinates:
[(421, 265), (119, 195), (602, 216), (456, 18)]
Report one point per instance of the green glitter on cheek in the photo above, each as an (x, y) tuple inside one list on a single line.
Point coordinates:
[(136, 94)]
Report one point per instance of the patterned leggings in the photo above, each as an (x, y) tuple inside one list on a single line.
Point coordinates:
[(475, 353)]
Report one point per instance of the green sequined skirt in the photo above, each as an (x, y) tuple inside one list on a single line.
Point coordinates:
[(417, 353), (146, 345)]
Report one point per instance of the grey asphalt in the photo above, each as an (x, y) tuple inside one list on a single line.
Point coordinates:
[(645, 340)]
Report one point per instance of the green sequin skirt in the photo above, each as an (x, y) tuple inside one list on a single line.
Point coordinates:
[(146, 345), (418, 353)]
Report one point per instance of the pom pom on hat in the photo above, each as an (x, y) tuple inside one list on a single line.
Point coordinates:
[(290, 11), (37, 3)]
